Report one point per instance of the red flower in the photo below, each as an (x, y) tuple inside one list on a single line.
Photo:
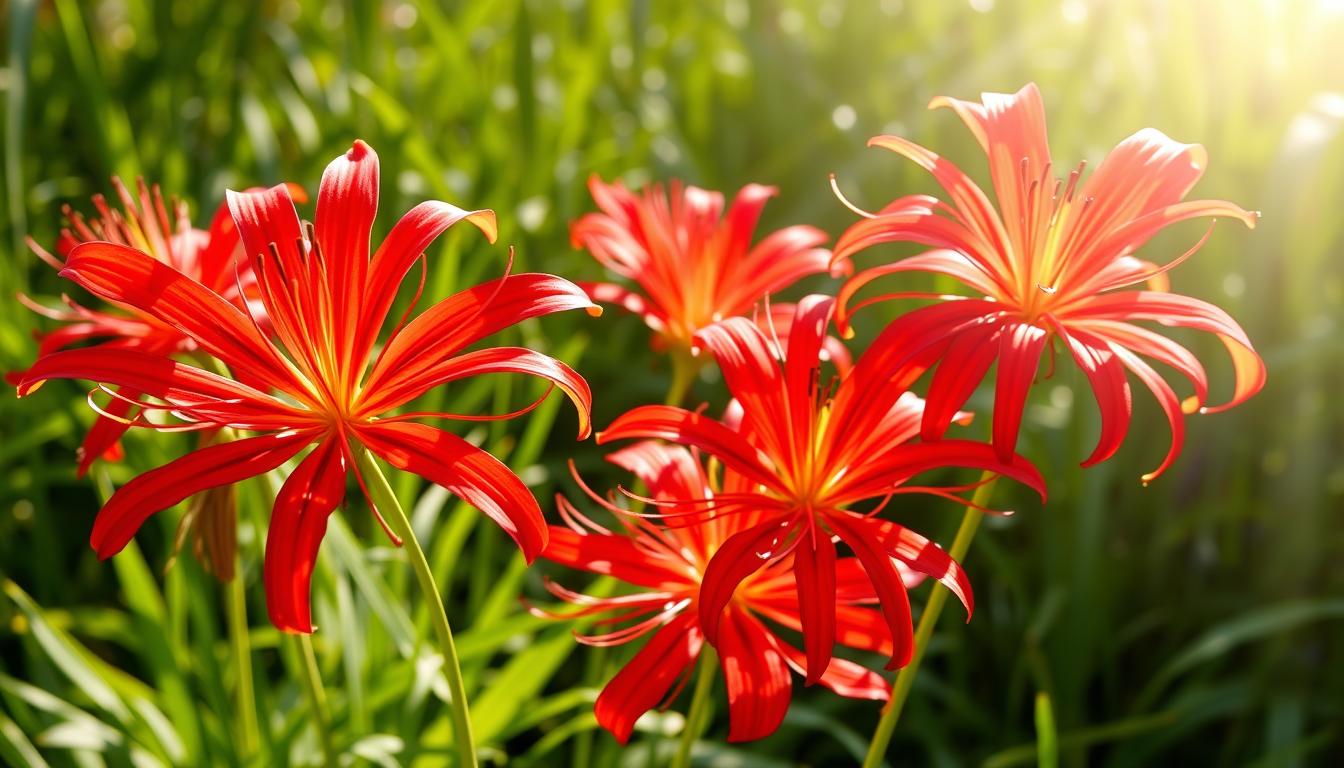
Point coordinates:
[(695, 266), (327, 302), (799, 458), (666, 564), (144, 223), (1051, 264)]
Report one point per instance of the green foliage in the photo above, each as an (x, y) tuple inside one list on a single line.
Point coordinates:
[(1197, 621)]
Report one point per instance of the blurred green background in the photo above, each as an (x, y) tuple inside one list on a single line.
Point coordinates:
[(1196, 622)]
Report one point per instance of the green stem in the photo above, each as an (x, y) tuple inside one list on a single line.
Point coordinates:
[(905, 679), (241, 645), (698, 715), (684, 368), (317, 697), (386, 502)]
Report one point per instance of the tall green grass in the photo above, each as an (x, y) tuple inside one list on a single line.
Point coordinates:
[(1196, 622)]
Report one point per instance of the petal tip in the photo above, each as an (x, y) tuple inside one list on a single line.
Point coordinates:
[(358, 151)]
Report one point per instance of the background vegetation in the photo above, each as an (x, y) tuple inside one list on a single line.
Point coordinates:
[(1196, 622)]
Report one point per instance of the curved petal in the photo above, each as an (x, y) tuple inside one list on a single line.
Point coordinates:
[(853, 681), (128, 276), (209, 467), (960, 371), (878, 474), (1166, 398), (677, 425), (1160, 348), (670, 472), (1011, 130), (610, 293), (814, 575), (741, 555), (612, 555), (102, 441), (299, 521), (747, 359), (347, 202), (940, 262), (205, 394), (471, 315), (407, 385), (409, 238), (781, 259), (1183, 311), (646, 678), (970, 203), (1145, 172), (478, 478), (860, 534), (1106, 374), (921, 554), (1020, 348), (757, 678)]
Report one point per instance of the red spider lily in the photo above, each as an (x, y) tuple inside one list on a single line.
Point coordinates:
[(327, 301), (164, 231), (666, 564), (694, 265), (798, 459), (1050, 262)]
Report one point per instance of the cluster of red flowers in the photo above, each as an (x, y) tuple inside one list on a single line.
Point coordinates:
[(735, 535)]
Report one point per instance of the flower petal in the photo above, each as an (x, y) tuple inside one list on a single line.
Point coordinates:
[(741, 555), (205, 394), (478, 478), (878, 474), (407, 384), (1183, 311), (469, 316), (1106, 374), (1011, 131), (853, 681), (103, 439), (209, 467), (299, 521), (128, 276), (757, 678), (1160, 348), (1166, 398), (814, 575), (923, 556), (612, 555), (959, 372), (409, 238), (645, 679), (610, 293), (861, 534), (1020, 348), (677, 425)]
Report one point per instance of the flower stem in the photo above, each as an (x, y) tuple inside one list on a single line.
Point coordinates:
[(317, 698), (684, 368), (386, 502), (241, 644), (905, 679), (698, 715)]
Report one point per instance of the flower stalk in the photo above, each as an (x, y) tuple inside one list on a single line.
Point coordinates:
[(905, 679), (697, 717), (380, 493), (317, 698), (241, 646)]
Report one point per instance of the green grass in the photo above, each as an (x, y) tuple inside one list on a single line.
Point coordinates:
[(1195, 622)]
